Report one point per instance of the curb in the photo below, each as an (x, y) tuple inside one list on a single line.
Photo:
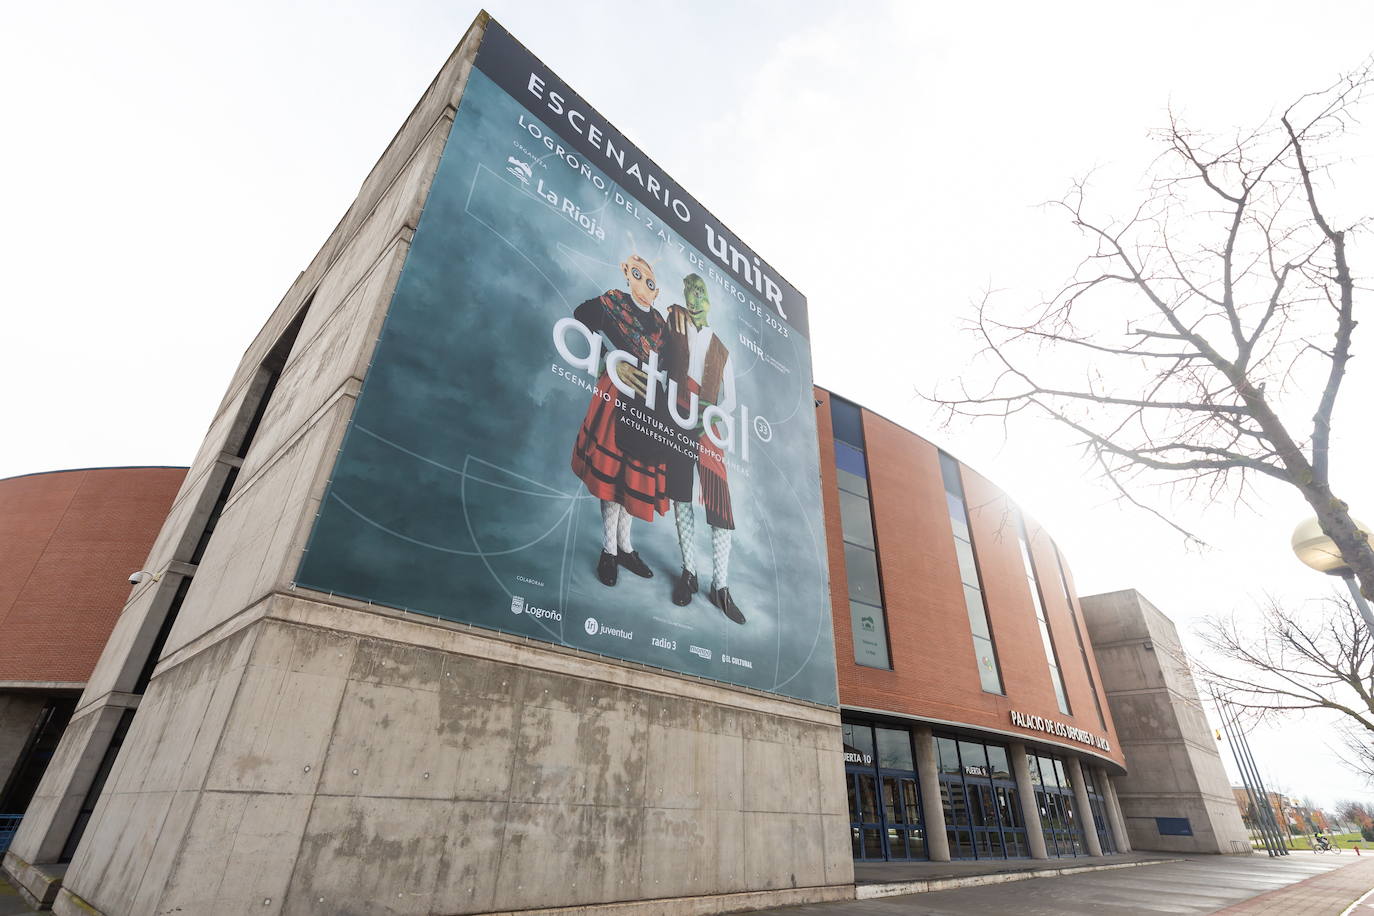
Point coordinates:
[(928, 885)]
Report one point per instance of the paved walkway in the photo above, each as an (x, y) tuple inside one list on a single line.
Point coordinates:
[(11, 904), (1328, 893), (1194, 886), (892, 872), (1296, 885)]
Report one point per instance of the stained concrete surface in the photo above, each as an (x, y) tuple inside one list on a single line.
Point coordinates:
[(894, 872), (11, 904), (1199, 884)]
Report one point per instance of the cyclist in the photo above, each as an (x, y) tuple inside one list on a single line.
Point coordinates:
[(1320, 842)]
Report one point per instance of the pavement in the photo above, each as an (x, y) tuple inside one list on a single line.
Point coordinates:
[(1298, 884), (892, 872), (11, 904), (1295, 885)]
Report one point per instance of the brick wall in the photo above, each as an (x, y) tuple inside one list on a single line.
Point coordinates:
[(935, 674), (68, 541)]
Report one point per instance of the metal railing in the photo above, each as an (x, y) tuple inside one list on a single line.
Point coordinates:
[(9, 825)]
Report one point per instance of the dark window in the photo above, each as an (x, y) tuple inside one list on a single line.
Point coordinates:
[(1041, 617), (867, 617), (984, 651), (1078, 634), (1174, 826)]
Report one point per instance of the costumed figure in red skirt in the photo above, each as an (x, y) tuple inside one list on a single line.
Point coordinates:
[(616, 454), (700, 364)]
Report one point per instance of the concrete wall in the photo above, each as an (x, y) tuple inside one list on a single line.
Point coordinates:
[(1173, 767), (333, 760)]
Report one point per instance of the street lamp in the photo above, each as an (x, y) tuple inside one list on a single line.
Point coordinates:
[(1318, 551)]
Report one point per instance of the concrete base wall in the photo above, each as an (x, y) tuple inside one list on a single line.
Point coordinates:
[(323, 759)]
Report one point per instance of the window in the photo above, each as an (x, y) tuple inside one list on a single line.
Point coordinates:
[(867, 619), (989, 672), (1038, 601), (1078, 633)]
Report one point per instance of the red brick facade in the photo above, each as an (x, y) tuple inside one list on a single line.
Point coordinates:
[(68, 542), (934, 675)]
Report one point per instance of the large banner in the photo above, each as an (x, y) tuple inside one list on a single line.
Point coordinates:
[(589, 418)]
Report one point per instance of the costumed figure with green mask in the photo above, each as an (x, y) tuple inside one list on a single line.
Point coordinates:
[(699, 362)]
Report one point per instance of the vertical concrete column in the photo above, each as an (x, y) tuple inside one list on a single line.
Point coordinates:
[(932, 808), (1123, 839), (1114, 822), (1030, 811), (1085, 809)]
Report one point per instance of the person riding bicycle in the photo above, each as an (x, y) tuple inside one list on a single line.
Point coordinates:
[(1319, 841)]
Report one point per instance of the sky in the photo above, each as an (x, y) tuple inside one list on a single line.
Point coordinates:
[(170, 167)]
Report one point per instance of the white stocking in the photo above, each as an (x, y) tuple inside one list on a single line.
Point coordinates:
[(623, 530), (610, 515), (684, 513), (720, 556)]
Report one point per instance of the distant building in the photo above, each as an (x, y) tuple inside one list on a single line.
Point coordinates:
[(1293, 815), (68, 542)]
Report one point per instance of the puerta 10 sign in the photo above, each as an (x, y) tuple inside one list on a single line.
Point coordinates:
[(589, 418)]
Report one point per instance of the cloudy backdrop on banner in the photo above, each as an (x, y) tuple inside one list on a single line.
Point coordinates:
[(506, 435)]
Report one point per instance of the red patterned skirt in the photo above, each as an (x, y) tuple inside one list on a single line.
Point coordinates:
[(608, 472), (715, 488)]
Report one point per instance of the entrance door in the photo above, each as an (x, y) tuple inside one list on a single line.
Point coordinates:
[(902, 809), (865, 824)]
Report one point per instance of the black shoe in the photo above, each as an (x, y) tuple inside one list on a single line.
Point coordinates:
[(634, 564), (720, 597), (684, 588), (607, 568)]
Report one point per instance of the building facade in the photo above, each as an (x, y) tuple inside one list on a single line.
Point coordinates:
[(252, 739), (1176, 796), (68, 542), (973, 724)]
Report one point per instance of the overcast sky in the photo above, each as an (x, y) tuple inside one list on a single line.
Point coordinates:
[(170, 167)]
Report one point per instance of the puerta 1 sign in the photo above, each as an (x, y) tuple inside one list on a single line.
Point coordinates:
[(589, 418)]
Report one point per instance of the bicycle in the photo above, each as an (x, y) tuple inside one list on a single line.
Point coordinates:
[(1320, 848)]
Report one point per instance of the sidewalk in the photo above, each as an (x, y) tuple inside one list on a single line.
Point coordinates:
[(1191, 885), (11, 904), (1325, 894), (887, 872)]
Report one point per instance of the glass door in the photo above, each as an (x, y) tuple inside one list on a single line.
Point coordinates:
[(884, 796), (865, 827), (902, 808)]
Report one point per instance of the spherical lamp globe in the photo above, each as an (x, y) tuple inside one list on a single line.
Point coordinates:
[(1317, 550)]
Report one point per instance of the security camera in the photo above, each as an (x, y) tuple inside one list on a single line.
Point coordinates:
[(136, 578)]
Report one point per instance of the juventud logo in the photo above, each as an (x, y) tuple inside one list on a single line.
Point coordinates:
[(590, 626)]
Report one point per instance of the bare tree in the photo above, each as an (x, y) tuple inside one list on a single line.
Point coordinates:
[(1352, 811), (1317, 657), (1206, 336)]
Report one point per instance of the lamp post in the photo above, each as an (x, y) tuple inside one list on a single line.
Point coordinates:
[(1319, 552)]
